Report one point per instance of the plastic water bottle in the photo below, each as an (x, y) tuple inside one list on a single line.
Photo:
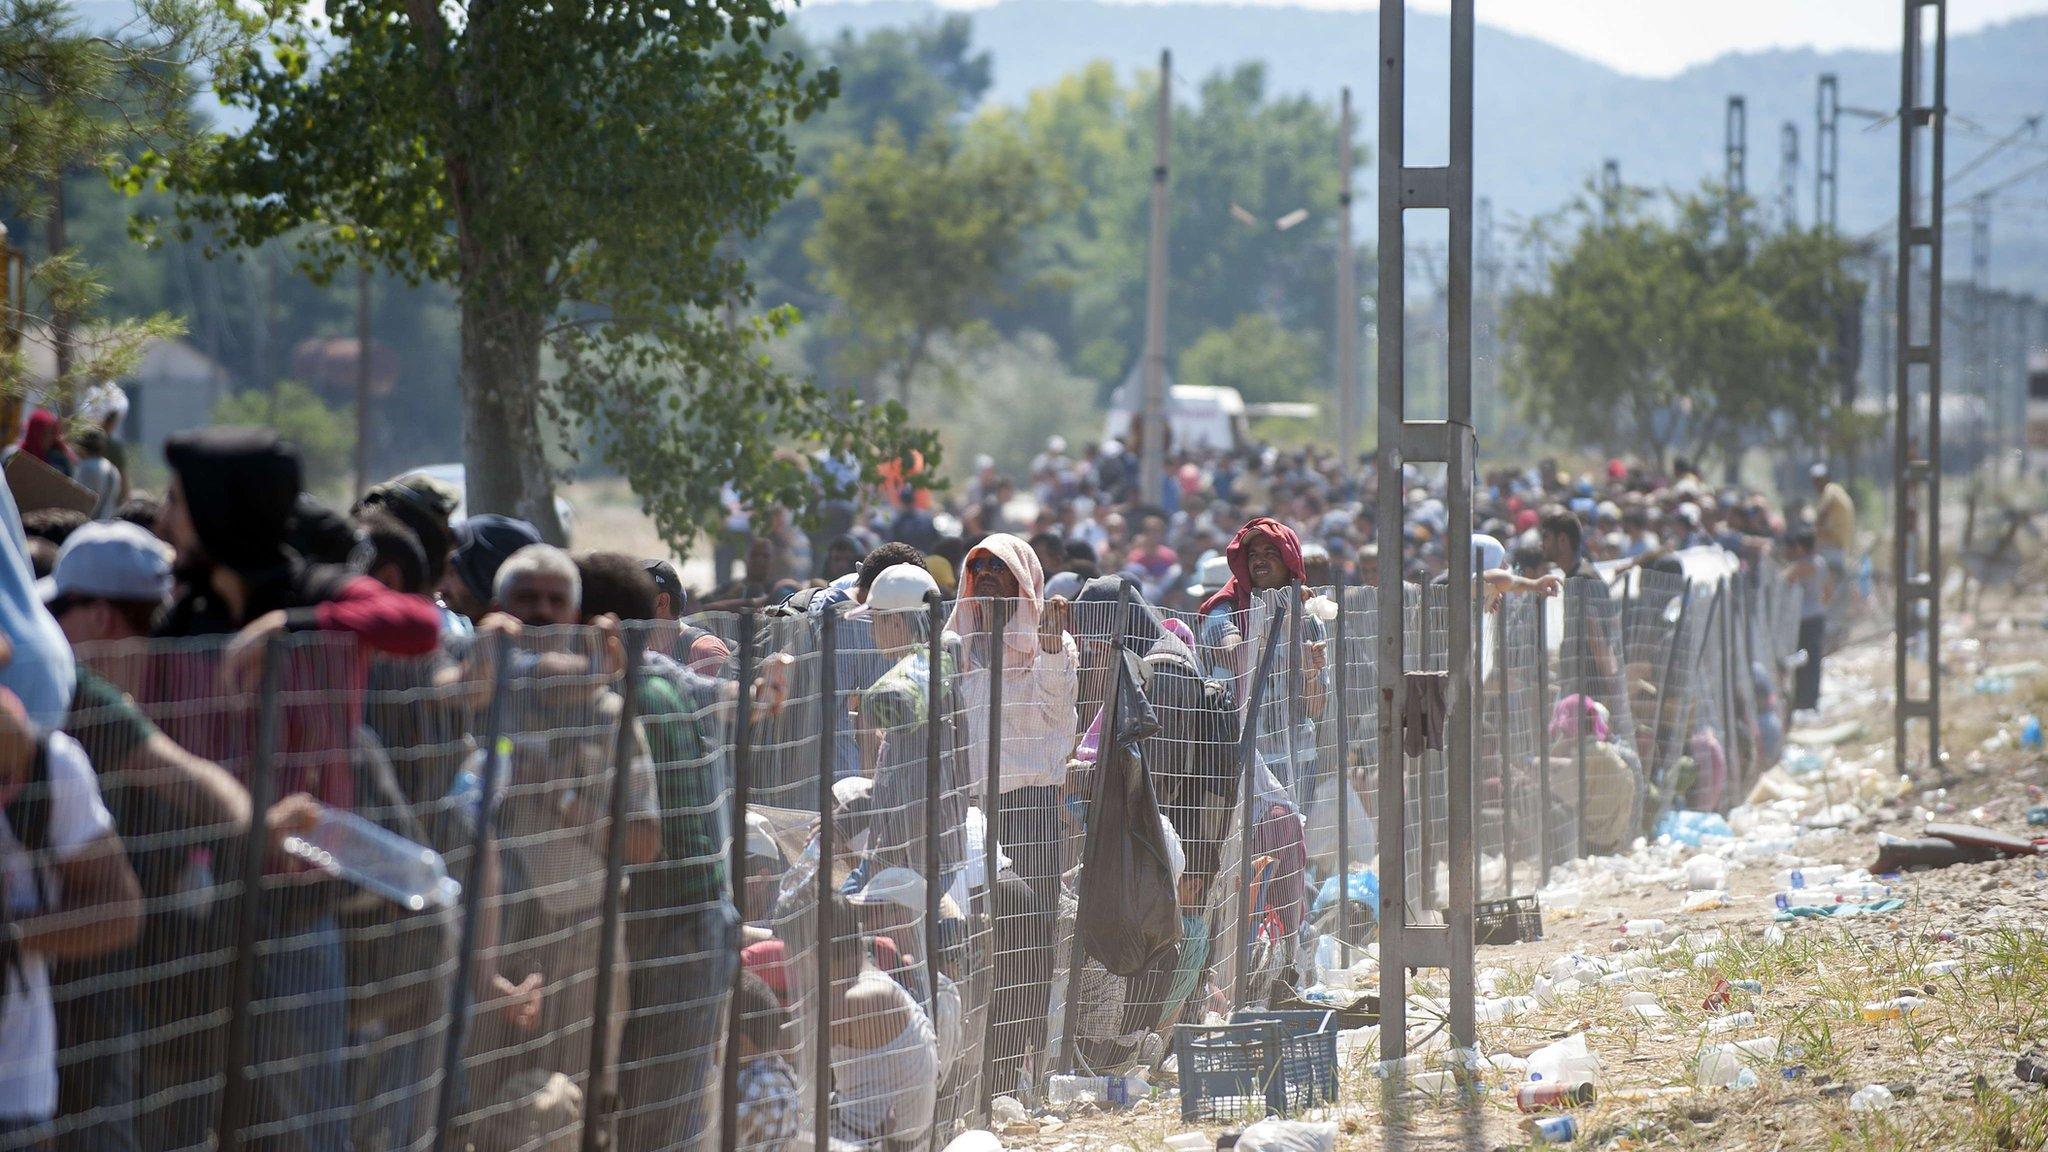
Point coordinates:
[(1556, 1129), (344, 844), (1115, 1091), (2030, 733)]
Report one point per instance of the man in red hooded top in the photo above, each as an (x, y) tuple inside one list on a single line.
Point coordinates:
[(1264, 555)]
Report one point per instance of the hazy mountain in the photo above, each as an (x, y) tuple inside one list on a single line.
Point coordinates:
[(1546, 118)]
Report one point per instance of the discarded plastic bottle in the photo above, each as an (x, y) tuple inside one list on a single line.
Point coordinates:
[(1893, 1009), (1116, 1091), (1871, 1098), (344, 844), (1542, 1097), (1556, 1129), (2030, 733), (1643, 928)]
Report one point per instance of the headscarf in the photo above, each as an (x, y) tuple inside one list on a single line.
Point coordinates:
[(1237, 591), (1142, 632), (1020, 632), (43, 438)]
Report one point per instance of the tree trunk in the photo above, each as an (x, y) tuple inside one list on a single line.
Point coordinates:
[(507, 470)]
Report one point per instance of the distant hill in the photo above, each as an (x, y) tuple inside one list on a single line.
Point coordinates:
[(1546, 118)]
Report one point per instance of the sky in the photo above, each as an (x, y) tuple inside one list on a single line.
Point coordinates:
[(1664, 37)]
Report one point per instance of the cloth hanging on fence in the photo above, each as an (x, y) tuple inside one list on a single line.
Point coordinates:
[(1425, 712)]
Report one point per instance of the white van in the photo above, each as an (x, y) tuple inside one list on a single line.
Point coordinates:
[(1196, 416)]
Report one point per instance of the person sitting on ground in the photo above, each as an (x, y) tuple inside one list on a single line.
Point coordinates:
[(771, 1100), (885, 1062)]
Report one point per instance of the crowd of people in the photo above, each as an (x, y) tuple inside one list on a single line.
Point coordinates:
[(474, 688)]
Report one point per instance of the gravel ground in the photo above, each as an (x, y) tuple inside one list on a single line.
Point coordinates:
[(1949, 1064)]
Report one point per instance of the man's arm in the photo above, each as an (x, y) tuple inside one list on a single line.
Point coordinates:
[(203, 793), (385, 620), (102, 908)]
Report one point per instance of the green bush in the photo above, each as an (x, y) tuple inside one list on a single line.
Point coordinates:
[(325, 437)]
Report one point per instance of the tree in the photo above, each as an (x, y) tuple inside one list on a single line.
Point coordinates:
[(325, 437), (571, 170), (1256, 356), (92, 99), (913, 242), (1684, 332), (1238, 144)]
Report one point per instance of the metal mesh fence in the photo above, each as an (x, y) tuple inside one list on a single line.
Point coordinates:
[(819, 875)]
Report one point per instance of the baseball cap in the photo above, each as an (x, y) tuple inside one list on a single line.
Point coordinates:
[(666, 581), (898, 886), (900, 588), (109, 560)]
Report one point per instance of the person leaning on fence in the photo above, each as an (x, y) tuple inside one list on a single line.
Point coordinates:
[(553, 826), (892, 731), (681, 930), (1040, 681), (110, 582), (227, 513)]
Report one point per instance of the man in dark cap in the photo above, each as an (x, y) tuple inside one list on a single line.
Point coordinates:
[(227, 513), (482, 544)]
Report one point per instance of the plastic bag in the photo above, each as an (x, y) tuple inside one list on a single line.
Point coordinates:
[(1129, 911), (1271, 1135)]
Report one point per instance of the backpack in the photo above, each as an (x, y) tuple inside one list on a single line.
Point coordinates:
[(28, 818)]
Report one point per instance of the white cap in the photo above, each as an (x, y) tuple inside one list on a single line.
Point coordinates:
[(1819, 471), (110, 560), (899, 886), (899, 588)]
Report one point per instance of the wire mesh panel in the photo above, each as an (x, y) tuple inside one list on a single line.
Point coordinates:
[(1341, 836), (1515, 800), (1592, 729), (569, 740)]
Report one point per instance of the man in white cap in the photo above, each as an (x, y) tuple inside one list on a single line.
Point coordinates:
[(111, 580), (893, 729)]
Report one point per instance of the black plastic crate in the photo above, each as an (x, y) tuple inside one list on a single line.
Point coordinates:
[(1515, 920), (1260, 1063)]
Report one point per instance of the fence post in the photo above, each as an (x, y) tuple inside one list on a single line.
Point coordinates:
[(1731, 741), (1579, 662), (1105, 747), (624, 747), (1543, 738), (1296, 690), (934, 786), (237, 1094), (828, 733), (1342, 678), (1501, 740), (991, 849), (1248, 751), (482, 841), (736, 870)]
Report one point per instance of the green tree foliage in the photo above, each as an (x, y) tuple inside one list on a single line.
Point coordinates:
[(571, 170), (1236, 144), (76, 100), (1680, 331), (914, 241), (1022, 394), (324, 436), (1256, 356)]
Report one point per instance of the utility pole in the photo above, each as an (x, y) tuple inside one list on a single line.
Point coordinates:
[(1486, 320), (363, 375), (1152, 436), (1788, 176), (1347, 296), (1987, 436), (1826, 151), (1736, 150), (1610, 189), (1916, 411)]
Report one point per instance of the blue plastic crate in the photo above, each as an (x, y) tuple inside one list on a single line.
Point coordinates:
[(1260, 1063)]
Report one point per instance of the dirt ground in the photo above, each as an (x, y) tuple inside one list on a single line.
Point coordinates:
[(1949, 1064)]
